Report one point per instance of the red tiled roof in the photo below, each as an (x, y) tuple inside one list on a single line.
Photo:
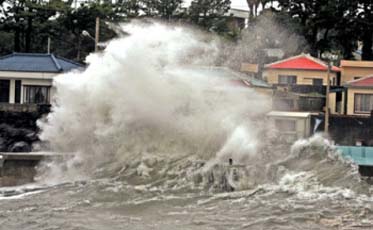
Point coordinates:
[(362, 82), (301, 62)]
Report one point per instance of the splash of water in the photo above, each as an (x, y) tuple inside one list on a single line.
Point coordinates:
[(150, 94), (151, 110)]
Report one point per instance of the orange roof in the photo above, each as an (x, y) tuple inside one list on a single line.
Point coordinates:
[(301, 62)]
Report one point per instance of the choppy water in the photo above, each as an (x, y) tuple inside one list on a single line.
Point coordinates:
[(180, 194), (153, 130)]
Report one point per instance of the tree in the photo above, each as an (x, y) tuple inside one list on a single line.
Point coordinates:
[(210, 14), (165, 9), (364, 23), (324, 23), (70, 25), (20, 16)]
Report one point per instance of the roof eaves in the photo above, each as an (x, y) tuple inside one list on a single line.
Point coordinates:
[(71, 61), (7, 56), (357, 80), (59, 68), (360, 86), (28, 71)]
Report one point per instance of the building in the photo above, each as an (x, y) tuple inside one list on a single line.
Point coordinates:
[(293, 101), (238, 18), (224, 78), (299, 70), (26, 78), (360, 96), (290, 126), (353, 70)]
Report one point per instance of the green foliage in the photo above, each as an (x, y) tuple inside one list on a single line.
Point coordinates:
[(209, 14), (328, 25), (166, 9)]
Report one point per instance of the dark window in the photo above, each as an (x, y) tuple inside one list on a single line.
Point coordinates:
[(363, 103), (317, 81), (36, 94), (355, 78), (287, 79), (17, 98), (4, 90)]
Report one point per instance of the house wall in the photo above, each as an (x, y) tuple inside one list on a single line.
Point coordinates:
[(26, 75), (302, 128), (349, 73), (27, 78), (351, 100), (304, 77)]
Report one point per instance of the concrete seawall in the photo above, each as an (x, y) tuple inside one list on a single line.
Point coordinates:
[(19, 168)]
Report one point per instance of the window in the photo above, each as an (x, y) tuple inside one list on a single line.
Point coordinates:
[(36, 94), (317, 81), (4, 90), (363, 103), (287, 79), (285, 125), (355, 78), (17, 89)]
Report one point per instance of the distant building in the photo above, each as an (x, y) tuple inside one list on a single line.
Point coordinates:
[(290, 126), (26, 78), (360, 96), (299, 70), (238, 18), (353, 70)]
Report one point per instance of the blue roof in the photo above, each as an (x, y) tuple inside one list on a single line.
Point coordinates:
[(37, 62)]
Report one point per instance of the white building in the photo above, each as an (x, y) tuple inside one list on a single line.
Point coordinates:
[(26, 78), (291, 126)]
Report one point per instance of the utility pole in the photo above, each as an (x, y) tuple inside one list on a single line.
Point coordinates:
[(97, 35), (49, 45), (326, 123)]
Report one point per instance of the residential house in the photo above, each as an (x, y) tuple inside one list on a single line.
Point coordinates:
[(360, 96), (299, 70), (353, 70), (26, 78), (290, 126)]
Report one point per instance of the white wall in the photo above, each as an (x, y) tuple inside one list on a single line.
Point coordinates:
[(27, 78)]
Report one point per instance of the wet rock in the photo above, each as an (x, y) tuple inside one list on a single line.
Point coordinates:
[(20, 147)]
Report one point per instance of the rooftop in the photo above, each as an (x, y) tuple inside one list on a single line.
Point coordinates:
[(301, 62), (365, 82), (288, 114), (37, 62)]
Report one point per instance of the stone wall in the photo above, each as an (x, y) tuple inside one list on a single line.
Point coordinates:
[(18, 128)]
